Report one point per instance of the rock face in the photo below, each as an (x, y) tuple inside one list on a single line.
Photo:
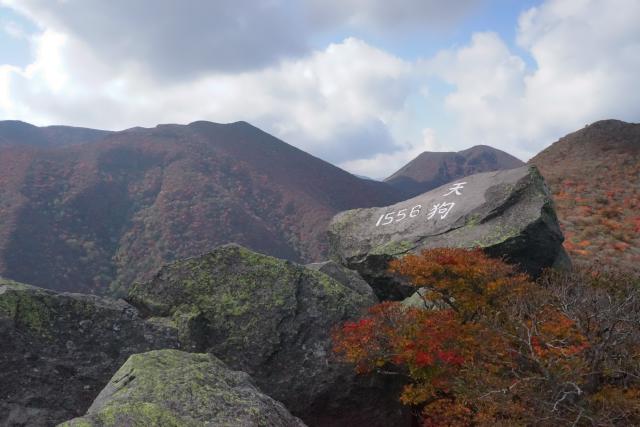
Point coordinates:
[(174, 388), (350, 278), (508, 213), (272, 319), (58, 350)]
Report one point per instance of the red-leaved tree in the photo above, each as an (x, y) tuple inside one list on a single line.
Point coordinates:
[(489, 346)]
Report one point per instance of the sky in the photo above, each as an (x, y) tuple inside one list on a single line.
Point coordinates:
[(364, 84)]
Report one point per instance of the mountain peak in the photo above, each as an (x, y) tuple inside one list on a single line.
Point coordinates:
[(594, 174), (432, 169), (144, 196)]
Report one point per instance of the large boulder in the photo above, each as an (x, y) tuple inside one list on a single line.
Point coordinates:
[(174, 388), (57, 351), (508, 213), (272, 319)]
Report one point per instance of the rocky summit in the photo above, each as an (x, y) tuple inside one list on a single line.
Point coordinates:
[(508, 213), (174, 388)]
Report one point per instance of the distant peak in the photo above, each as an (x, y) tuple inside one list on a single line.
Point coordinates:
[(607, 122), (480, 147), (240, 123), (432, 168), (16, 123)]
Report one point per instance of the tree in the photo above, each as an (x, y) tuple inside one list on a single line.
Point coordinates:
[(500, 349)]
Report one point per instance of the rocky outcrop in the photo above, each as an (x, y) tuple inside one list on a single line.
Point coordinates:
[(508, 213), (174, 388), (272, 319), (350, 278), (57, 351)]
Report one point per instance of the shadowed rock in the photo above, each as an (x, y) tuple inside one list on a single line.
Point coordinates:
[(508, 213), (174, 388), (57, 351), (272, 319), (350, 278)]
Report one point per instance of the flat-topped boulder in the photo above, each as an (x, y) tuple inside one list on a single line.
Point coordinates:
[(174, 388), (58, 350), (508, 213)]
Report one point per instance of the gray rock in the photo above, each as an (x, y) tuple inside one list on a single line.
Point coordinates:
[(174, 388), (509, 214), (350, 278), (272, 319), (58, 350), (416, 300)]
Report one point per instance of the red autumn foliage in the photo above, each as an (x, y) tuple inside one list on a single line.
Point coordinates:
[(491, 347), (594, 176)]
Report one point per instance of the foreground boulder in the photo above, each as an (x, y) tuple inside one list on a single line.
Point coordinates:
[(174, 388), (57, 351), (272, 319), (508, 213)]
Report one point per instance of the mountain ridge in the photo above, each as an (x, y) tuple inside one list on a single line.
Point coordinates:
[(19, 133), (81, 217), (594, 175)]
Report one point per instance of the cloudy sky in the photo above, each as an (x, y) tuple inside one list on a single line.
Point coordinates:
[(364, 84)]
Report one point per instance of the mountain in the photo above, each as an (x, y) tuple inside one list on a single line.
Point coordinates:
[(15, 132), (85, 216), (432, 169), (594, 175)]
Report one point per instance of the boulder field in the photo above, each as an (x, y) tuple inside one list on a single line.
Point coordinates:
[(269, 318), (58, 350), (234, 337), (272, 319)]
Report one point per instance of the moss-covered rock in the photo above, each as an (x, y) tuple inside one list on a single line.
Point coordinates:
[(58, 350), (173, 388), (349, 278), (272, 319), (508, 213)]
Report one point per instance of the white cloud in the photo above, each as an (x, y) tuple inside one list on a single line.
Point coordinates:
[(336, 103), (176, 40), (348, 102), (389, 16), (382, 165), (587, 59)]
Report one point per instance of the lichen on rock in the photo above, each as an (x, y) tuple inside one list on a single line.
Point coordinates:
[(174, 388), (272, 319), (58, 350)]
